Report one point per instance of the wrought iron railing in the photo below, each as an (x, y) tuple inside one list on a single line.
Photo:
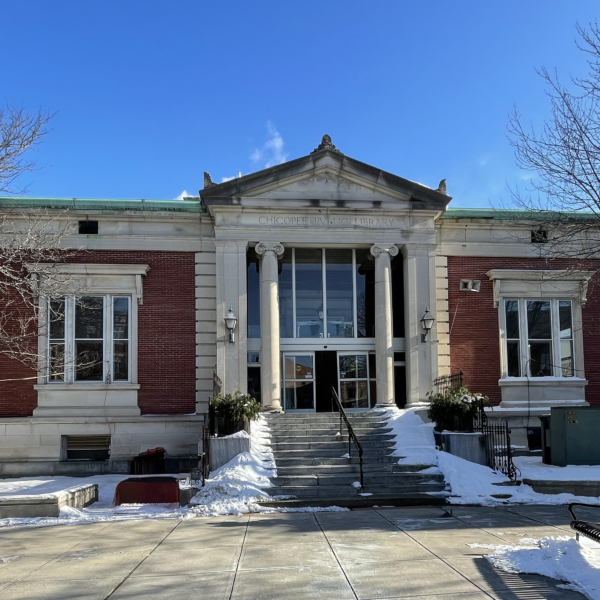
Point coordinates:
[(448, 382), (205, 451), (352, 439), (498, 450)]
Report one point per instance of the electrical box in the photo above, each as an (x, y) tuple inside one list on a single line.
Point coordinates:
[(574, 435)]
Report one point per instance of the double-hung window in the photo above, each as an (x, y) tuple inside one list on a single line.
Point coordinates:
[(89, 339), (539, 338)]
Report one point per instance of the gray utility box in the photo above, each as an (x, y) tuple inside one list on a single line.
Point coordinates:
[(574, 436)]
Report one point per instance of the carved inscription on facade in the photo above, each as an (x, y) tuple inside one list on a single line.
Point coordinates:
[(325, 221)]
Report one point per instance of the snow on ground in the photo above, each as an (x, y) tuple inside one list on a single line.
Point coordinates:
[(561, 558), (532, 467), (471, 483)]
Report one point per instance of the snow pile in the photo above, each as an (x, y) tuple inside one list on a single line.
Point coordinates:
[(414, 438), (561, 558), (236, 487)]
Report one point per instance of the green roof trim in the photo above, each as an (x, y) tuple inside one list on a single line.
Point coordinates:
[(88, 204), (514, 214)]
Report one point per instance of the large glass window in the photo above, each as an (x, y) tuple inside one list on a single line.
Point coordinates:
[(253, 291), (354, 380), (327, 293), (309, 293), (340, 293), (89, 339), (539, 338)]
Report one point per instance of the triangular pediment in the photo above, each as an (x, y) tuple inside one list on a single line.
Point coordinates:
[(325, 179)]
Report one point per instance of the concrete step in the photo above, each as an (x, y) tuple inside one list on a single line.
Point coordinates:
[(303, 469), (332, 430), (318, 445), (370, 453), (290, 460), (330, 437), (370, 478), (348, 491), (381, 500)]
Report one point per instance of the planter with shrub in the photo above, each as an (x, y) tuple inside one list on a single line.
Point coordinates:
[(455, 409), (230, 413)]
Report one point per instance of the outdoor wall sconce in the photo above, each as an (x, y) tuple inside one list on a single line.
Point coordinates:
[(427, 323), (230, 323)]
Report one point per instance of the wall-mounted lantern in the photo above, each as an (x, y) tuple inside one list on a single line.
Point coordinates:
[(320, 312), (230, 323), (427, 322)]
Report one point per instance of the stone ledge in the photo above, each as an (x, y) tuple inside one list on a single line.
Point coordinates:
[(577, 488), (47, 505)]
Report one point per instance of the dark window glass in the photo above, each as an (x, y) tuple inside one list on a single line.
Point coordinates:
[(89, 318), (399, 386), (89, 360), (372, 366), (540, 354), (56, 319), (398, 296), (399, 356), (254, 388), (340, 304), (365, 293), (512, 355), (88, 227), (564, 313), (253, 298), (121, 318), (121, 361), (57, 362), (309, 293), (512, 319), (539, 320), (286, 307), (253, 357)]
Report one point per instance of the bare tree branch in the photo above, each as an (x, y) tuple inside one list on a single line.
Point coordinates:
[(563, 157), (20, 131)]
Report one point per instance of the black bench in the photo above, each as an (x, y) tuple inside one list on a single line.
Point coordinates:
[(585, 528)]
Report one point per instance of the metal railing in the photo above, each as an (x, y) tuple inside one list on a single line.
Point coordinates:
[(351, 435), (498, 450), (205, 453), (448, 382)]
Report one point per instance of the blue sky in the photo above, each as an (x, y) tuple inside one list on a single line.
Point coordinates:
[(149, 94)]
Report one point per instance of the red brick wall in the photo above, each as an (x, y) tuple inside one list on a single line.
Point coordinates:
[(166, 337), (474, 330)]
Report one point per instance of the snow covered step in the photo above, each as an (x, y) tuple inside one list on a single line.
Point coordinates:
[(291, 459), (319, 445), (330, 453), (303, 469), (348, 491)]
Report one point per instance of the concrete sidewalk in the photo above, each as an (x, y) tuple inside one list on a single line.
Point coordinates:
[(378, 553)]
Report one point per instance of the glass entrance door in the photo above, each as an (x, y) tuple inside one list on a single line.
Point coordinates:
[(299, 381), (353, 377)]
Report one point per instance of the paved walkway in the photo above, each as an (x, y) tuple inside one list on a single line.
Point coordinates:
[(378, 553)]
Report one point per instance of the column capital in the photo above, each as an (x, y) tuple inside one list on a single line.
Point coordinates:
[(377, 249), (263, 247)]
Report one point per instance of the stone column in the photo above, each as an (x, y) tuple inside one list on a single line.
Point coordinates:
[(270, 378), (419, 294), (384, 352)]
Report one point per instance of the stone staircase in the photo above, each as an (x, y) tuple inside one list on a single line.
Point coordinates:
[(313, 467)]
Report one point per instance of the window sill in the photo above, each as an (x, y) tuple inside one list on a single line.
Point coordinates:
[(542, 381), (86, 387)]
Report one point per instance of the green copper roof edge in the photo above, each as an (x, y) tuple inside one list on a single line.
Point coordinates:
[(102, 204), (513, 214)]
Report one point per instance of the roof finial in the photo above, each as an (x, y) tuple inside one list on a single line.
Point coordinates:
[(325, 145), (207, 180), (442, 187)]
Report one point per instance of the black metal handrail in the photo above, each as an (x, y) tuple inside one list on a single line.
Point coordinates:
[(351, 435), (589, 530)]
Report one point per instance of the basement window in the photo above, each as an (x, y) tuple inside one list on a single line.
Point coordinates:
[(88, 227), (539, 236), (86, 447)]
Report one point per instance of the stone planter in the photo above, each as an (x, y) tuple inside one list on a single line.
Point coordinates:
[(226, 427), (469, 446), (223, 449)]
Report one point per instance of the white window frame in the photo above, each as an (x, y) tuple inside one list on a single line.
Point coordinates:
[(108, 280), (108, 341), (524, 285), (524, 348)]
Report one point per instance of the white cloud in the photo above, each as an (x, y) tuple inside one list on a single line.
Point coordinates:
[(271, 153), (224, 179), (183, 195)]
